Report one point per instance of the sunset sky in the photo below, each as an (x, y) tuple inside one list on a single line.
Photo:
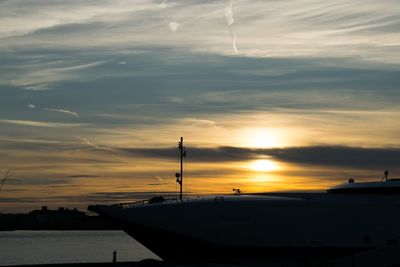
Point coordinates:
[(269, 95)]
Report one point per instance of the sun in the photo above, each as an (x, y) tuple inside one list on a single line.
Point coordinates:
[(263, 165)]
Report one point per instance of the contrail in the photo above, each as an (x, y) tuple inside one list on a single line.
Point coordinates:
[(102, 149), (65, 111), (229, 13), (90, 143), (230, 21), (234, 41)]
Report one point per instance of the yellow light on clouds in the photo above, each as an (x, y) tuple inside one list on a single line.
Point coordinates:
[(263, 138), (263, 165)]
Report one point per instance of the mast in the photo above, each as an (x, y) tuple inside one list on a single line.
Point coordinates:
[(179, 176)]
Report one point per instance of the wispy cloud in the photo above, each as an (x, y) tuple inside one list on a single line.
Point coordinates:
[(43, 123), (42, 77), (49, 14), (174, 26), (83, 176), (199, 122), (65, 111), (312, 28)]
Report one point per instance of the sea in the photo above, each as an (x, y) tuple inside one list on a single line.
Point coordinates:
[(45, 247)]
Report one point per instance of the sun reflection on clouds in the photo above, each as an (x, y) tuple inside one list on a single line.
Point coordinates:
[(263, 138), (263, 165)]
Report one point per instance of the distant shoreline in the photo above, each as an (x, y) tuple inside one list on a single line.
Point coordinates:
[(57, 220)]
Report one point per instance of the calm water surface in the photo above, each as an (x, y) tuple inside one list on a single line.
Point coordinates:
[(37, 247)]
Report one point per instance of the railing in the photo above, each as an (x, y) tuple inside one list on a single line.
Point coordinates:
[(146, 202), (151, 201)]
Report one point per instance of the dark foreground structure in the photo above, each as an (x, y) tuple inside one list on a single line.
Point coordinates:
[(304, 227), (301, 227)]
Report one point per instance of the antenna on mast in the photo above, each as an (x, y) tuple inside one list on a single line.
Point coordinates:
[(386, 173), (179, 175)]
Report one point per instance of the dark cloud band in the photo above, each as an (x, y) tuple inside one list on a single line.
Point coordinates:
[(340, 156)]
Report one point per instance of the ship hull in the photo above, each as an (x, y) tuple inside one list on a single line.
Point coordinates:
[(306, 227), (174, 247)]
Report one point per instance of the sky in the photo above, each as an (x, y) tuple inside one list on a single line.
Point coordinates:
[(269, 95)]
